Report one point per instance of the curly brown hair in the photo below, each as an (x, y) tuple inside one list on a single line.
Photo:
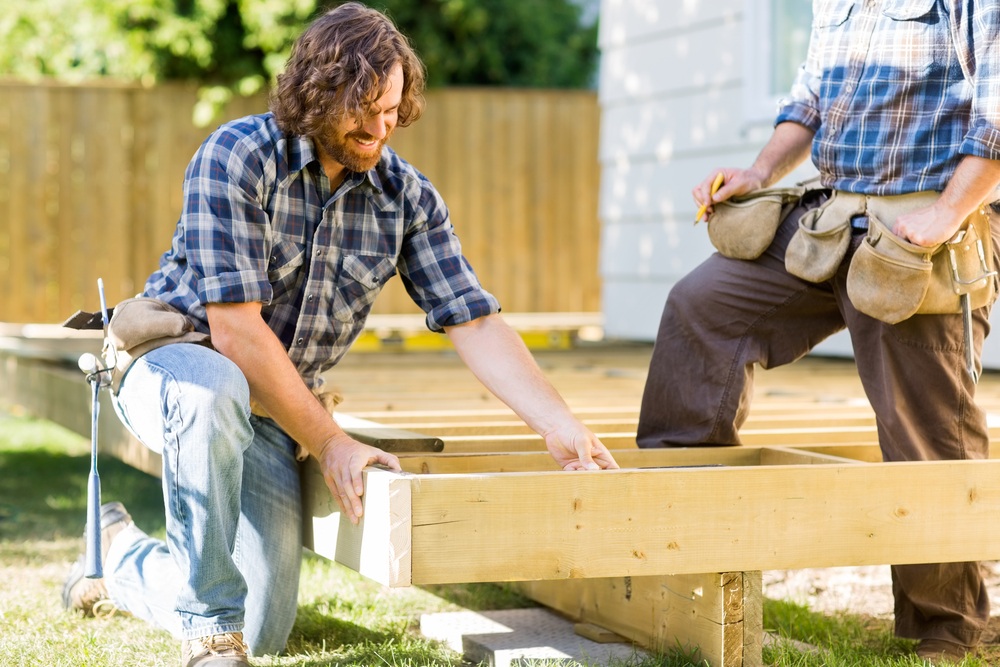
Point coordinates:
[(340, 66)]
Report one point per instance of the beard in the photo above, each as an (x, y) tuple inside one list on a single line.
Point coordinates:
[(343, 149)]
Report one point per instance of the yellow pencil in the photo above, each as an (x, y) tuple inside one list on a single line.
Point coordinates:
[(719, 178)]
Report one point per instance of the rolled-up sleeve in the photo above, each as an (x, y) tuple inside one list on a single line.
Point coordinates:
[(435, 273), (978, 24), (802, 106), (224, 225)]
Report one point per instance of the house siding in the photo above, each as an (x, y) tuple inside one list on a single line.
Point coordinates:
[(671, 90)]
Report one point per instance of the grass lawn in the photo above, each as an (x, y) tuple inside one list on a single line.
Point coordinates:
[(343, 619)]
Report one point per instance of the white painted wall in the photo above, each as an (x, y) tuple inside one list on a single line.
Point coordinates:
[(671, 89)]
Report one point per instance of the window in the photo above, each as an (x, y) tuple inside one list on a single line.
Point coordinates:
[(776, 36)]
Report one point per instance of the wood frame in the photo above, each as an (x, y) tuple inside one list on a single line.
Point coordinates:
[(668, 550), (477, 527)]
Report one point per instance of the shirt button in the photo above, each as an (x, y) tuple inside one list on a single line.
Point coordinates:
[(300, 341)]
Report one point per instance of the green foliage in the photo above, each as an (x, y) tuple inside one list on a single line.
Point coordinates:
[(237, 46), (527, 43)]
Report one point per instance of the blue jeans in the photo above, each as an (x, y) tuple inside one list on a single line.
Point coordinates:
[(233, 550)]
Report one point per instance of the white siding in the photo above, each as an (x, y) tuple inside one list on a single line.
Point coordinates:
[(672, 109), (671, 91)]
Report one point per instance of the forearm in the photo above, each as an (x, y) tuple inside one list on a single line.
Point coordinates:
[(788, 147), (498, 358), (974, 182), (239, 333)]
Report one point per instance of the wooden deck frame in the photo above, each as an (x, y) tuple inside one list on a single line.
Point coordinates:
[(626, 549), (478, 527), (662, 556)]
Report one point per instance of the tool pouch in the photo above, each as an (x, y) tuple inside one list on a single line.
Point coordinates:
[(891, 279), (820, 243), (744, 226), (140, 325)]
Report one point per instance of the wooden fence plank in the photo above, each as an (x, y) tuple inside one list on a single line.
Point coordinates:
[(105, 163)]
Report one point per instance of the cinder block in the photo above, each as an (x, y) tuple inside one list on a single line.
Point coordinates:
[(514, 637)]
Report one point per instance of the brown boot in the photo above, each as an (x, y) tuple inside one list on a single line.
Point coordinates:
[(90, 596), (225, 650), (941, 652)]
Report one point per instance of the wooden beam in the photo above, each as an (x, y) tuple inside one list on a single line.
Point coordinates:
[(528, 526), (829, 419), (387, 438), (675, 457), (719, 617), (543, 461), (379, 546)]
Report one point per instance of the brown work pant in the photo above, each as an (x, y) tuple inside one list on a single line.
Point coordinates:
[(728, 315)]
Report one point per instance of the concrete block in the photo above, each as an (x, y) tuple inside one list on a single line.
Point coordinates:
[(520, 637)]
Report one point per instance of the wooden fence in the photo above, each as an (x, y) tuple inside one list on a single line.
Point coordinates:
[(90, 186)]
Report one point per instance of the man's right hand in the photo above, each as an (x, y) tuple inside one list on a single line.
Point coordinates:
[(787, 148), (342, 459), (735, 182)]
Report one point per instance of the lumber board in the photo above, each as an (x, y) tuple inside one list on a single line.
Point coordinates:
[(676, 457), (792, 436), (514, 426), (718, 615), (387, 438), (489, 527), (379, 545)]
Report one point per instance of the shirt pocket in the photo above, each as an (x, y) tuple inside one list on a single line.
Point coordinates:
[(285, 266), (918, 36), (907, 10), (360, 280), (833, 14)]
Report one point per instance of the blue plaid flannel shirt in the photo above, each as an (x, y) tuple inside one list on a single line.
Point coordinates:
[(898, 91), (259, 224)]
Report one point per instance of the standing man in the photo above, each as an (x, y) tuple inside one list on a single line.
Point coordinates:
[(895, 98), (292, 222)]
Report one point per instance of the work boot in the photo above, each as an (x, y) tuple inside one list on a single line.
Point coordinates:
[(940, 652), (225, 650), (90, 596)]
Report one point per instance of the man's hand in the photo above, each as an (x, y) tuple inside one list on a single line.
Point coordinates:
[(787, 148), (342, 459), (574, 447), (928, 226), (975, 181), (735, 182)]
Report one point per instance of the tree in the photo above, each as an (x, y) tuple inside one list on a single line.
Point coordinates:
[(528, 43), (238, 46)]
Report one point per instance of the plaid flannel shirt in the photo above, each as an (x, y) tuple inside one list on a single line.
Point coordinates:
[(260, 224), (898, 91)]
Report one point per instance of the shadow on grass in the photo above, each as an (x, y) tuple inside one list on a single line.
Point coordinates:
[(44, 494), (481, 597), (315, 629)]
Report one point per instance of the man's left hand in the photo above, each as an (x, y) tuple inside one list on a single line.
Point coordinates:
[(575, 447), (929, 226)]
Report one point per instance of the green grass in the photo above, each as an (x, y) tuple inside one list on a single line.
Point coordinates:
[(343, 619), (840, 640)]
